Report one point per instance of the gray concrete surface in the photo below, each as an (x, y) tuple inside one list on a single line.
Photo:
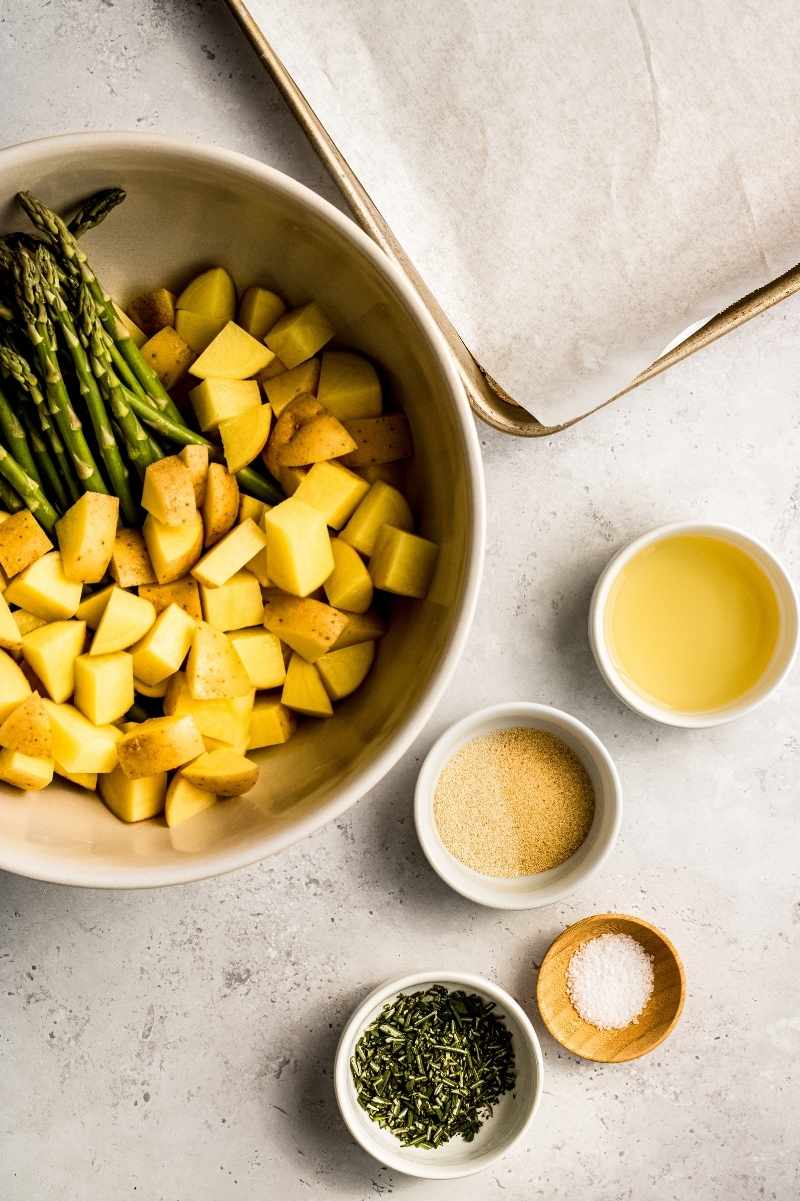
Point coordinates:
[(176, 1045)]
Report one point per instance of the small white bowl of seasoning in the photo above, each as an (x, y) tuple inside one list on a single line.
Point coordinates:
[(694, 624), (490, 1033), (517, 805)]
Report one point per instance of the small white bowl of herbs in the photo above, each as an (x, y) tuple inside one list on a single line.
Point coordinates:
[(438, 1074)]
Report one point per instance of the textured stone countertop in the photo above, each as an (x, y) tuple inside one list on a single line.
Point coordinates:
[(177, 1045)]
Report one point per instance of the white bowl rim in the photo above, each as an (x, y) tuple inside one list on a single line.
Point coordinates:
[(218, 863), (426, 786), (355, 1024), (602, 656)]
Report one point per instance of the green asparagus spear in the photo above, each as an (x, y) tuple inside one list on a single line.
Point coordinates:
[(9, 499), (103, 430), (94, 210), (15, 438), (16, 367), (28, 490)]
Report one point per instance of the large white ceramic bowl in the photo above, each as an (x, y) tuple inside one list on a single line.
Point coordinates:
[(190, 206)]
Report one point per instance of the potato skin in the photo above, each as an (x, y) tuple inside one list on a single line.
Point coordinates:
[(221, 503)]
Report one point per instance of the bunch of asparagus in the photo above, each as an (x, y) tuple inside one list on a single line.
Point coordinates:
[(81, 410)]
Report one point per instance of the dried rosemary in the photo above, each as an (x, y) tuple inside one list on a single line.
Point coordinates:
[(432, 1065)]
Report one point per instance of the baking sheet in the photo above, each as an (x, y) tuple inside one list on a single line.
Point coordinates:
[(577, 183)]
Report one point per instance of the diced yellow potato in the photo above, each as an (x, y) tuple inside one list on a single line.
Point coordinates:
[(168, 355), (259, 309), (159, 744), (261, 654), (126, 618), (25, 771), (86, 536), (91, 609), (26, 621), (130, 328), (245, 436), (349, 386), (226, 720), (214, 670), (185, 800), (233, 354), (212, 293), (79, 746), (104, 686), (133, 800), (230, 554), (383, 505), (299, 334), (402, 563), (164, 647), (309, 627), (361, 627), (391, 473), (221, 503), (223, 772), (299, 555), (334, 491), (155, 691), (343, 671), (183, 592), (217, 400), (304, 691), (290, 478), (14, 687), (10, 636), (195, 459), (153, 310), (257, 566), (276, 367), (86, 779), (349, 586), (173, 549), (286, 387), (168, 491), (51, 650), (271, 723), (22, 542), (130, 562), (304, 433), (196, 329), (379, 439), (43, 589), (27, 729), (235, 605), (251, 508)]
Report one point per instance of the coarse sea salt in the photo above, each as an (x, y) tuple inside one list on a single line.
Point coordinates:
[(610, 980)]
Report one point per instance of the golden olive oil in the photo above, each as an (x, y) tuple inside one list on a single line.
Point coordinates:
[(692, 622)]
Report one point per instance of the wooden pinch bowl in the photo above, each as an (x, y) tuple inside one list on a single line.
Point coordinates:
[(658, 1018)]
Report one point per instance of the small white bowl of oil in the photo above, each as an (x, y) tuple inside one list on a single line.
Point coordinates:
[(694, 624)]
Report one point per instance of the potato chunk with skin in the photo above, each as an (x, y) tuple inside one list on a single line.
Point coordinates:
[(235, 605), (244, 437), (126, 618), (308, 626), (212, 294), (343, 671), (305, 433), (259, 309), (183, 592), (86, 536), (227, 720), (27, 729), (26, 772), (164, 647), (217, 400), (173, 549), (10, 635), (402, 563), (185, 800), (299, 334), (230, 554), (43, 589), (349, 586), (130, 562), (225, 772), (168, 491), (51, 650), (304, 691), (133, 800), (233, 354), (195, 460), (379, 439), (104, 686), (361, 627), (159, 744), (153, 310), (221, 503), (79, 746), (261, 653), (168, 355), (349, 386), (383, 505), (299, 555), (334, 491), (286, 387), (14, 686), (22, 542), (271, 723), (214, 671)]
